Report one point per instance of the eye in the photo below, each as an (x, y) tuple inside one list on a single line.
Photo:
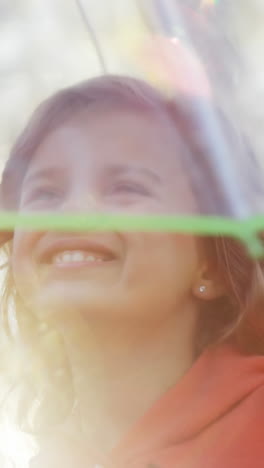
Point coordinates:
[(130, 187), (42, 194), (46, 194)]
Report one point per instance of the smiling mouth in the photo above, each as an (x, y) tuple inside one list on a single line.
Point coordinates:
[(78, 258), (75, 253)]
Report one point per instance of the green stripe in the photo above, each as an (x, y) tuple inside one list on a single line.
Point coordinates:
[(244, 230)]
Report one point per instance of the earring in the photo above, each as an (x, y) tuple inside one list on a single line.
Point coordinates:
[(202, 289)]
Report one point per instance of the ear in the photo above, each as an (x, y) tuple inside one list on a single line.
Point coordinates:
[(207, 284)]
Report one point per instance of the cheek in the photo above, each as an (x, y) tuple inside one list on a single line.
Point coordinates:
[(163, 259), (22, 266)]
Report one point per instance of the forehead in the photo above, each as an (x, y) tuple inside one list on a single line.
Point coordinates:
[(96, 138)]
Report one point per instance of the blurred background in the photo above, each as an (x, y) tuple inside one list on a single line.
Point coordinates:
[(48, 44)]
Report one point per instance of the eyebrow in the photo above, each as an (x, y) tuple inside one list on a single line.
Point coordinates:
[(122, 169)]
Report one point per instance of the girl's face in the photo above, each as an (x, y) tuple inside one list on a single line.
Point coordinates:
[(108, 162)]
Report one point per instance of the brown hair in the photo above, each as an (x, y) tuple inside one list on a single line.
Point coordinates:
[(237, 317)]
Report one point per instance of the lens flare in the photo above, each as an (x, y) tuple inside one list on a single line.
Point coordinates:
[(16, 448)]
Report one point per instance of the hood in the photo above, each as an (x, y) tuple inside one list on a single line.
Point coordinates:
[(215, 393)]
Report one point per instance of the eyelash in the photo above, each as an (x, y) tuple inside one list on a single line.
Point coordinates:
[(131, 188), (44, 192)]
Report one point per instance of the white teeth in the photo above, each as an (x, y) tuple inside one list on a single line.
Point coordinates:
[(67, 257), (91, 258), (75, 256)]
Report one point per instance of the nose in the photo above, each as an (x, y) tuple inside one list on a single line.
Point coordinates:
[(81, 203)]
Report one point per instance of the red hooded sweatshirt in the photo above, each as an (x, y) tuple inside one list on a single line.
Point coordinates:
[(212, 418)]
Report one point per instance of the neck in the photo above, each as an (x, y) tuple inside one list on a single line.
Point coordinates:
[(119, 370)]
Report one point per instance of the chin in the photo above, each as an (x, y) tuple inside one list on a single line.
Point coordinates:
[(61, 302)]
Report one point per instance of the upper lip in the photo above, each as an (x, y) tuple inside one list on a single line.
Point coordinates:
[(48, 249)]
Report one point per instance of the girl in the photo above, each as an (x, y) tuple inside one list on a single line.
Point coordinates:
[(137, 349)]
